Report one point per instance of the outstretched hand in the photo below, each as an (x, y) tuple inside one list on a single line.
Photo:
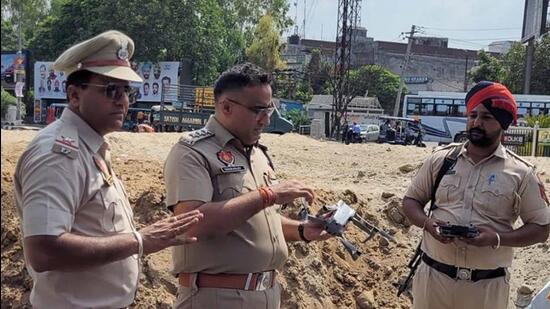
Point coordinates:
[(169, 232)]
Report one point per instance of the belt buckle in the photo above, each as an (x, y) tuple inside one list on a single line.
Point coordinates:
[(263, 280), (464, 273)]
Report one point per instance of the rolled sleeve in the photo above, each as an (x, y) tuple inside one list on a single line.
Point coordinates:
[(533, 208), (50, 195), (186, 176)]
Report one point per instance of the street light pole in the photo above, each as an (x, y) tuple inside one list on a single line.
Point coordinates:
[(17, 65)]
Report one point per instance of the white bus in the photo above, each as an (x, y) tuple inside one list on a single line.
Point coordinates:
[(442, 114)]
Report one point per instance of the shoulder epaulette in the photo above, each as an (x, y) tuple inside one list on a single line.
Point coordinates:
[(196, 136), (513, 154), (66, 142)]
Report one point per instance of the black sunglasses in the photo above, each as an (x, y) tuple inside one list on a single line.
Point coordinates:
[(115, 92)]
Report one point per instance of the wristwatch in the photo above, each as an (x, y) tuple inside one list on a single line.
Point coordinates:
[(301, 232)]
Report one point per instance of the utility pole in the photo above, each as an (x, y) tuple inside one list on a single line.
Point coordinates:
[(305, 6), (466, 74), (528, 66), (348, 12), (18, 66), (403, 70)]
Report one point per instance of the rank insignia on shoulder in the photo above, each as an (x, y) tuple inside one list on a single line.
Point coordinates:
[(67, 145), (196, 136)]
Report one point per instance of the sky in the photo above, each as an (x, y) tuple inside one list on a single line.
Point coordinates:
[(469, 24)]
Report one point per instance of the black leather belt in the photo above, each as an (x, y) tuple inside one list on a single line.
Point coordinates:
[(463, 273)]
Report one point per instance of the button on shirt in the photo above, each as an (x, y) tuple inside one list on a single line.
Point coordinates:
[(195, 173), (495, 192), (56, 194)]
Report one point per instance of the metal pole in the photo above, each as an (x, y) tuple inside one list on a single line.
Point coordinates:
[(466, 74), (402, 82), (528, 66), (19, 54)]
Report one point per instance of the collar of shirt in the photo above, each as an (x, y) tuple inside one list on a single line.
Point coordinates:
[(222, 134), (499, 152), (88, 135)]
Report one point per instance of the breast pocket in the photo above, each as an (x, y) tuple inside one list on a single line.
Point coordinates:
[(114, 219), (448, 191), (498, 195), (229, 185)]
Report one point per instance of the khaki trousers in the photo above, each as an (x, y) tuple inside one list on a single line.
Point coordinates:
[(194, 297), (434, 290)]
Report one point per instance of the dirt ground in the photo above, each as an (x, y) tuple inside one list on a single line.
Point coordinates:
[(316, 275)]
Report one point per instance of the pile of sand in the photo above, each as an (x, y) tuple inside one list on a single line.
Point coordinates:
[(367, 176)]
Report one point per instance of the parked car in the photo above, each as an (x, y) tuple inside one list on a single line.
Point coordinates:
[(370, 132)]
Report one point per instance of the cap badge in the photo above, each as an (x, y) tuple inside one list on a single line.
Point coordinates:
[(122, 53)]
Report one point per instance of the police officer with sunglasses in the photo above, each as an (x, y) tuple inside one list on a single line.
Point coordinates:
[(82, 248)]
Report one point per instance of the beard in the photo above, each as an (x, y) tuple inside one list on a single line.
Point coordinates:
[(479, 137)]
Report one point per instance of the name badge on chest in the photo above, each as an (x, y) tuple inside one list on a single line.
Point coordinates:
[(227, 158)]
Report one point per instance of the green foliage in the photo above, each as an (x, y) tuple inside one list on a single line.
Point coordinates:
[(28, 13), (298, 118), (543, 120), (540, 81), (317, 73), (211, 34), (9, 38), (291, 86), (265, 48), (509, 69), (304, 92), (378, 81), (7, 100), (513, 64), (489, 68)]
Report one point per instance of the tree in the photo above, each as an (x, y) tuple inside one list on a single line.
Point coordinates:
[(541, 119), (298, 118), (265, 48), (209, 33), (9, 38), (375, 81), (489, 68), (540, 81), (509, 69), (28, 13), (317, 72), (513, 65), (7, 100)]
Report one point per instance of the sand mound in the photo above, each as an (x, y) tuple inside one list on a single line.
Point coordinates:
[(370, 177)]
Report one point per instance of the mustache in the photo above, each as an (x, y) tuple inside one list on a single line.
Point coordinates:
[(477, 130)]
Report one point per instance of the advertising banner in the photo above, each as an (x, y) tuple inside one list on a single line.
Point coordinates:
[(50, 84), (9, 66), (154, 75)]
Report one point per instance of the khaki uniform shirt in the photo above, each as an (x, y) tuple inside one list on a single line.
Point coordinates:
[(60, 189), (206, 166), (495, 192)]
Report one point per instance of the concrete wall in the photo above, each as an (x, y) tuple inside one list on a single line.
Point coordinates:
[(444, 74)]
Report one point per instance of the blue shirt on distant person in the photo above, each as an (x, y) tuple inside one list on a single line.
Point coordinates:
[(356, 128)]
